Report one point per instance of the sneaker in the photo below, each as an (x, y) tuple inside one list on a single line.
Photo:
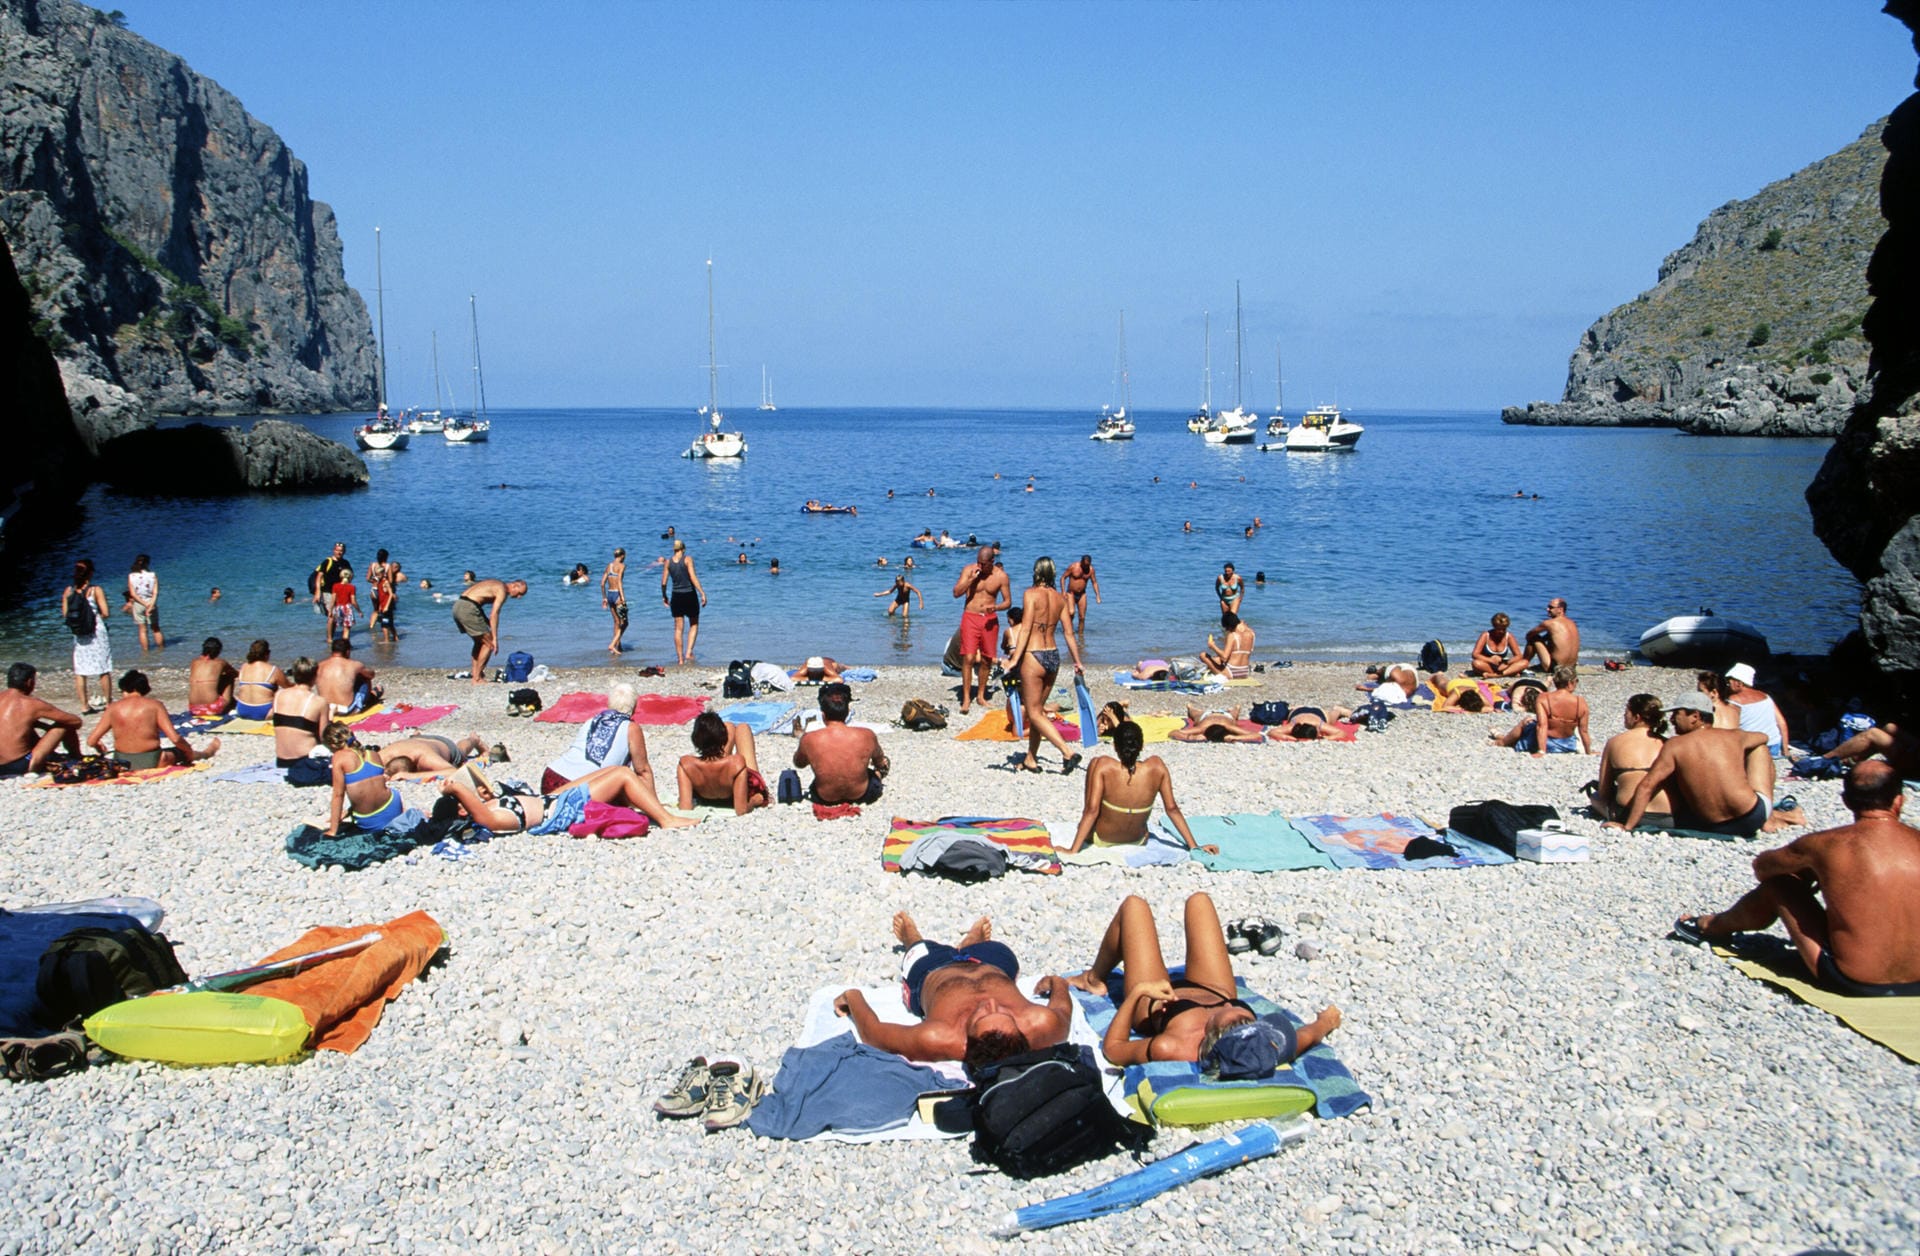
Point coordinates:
[(1238, 943), (732, 1091), (498, 754), (688, 1096)]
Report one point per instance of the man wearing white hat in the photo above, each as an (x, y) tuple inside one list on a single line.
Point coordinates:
[(1758, 711)]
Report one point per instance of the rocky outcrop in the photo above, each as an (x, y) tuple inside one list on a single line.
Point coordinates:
[(1754, 326), (1867, 494), (47, 456), (165, 237), (271, 455)]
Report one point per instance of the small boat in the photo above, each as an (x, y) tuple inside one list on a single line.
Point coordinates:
[(468, 431), (766, 392), (426, 423), (1705, 639), (1115, 426), (475, 428), (1114, 423), (381, 433), (1235, 426), (1323, 429), (714, 442)]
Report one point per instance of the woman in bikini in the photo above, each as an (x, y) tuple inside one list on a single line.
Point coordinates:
[(1036, 661), (1160, 1018), (541, 814), (1229, 588), (1624, 761), (1308, 723), (360, 782), (299, 715), (723, 771), (259, 680), (1496, 653), (1121, 792), (1215, 726)]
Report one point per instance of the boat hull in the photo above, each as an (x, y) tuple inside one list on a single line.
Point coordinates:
[(1238, 436), (380, 440), (464, 435), (1689, 640)]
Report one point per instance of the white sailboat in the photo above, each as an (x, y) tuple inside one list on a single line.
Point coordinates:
[(1202, 419), (383, 432), (430, 422), (1114, 423), (1235, 426), (766, 391), (714, 443), (475, 428)]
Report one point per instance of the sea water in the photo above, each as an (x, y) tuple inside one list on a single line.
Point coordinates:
[(1417, 533)]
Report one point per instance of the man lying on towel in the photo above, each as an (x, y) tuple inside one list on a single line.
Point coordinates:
[(1865, 939), (969, 1007)]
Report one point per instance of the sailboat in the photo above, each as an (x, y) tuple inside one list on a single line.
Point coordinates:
[(1235, 426), (383, 432), (1114, 423), (429, 422), (1277, 425), (714, 443), (1202, 419), (473, 429), (766, 391)]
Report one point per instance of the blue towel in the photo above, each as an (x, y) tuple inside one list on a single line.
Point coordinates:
[(1353, 842), (761, 717), (24, 938), (1255, 843), (859, 675), (1127, 680), (842, 1085), (259, 772)]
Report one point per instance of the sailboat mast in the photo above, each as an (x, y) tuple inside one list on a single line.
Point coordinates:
[(1279, 383), (1206, 369), (1126, 386), (436, 370), (380, 304), (713, 368), (1236, 344), (479, 376)]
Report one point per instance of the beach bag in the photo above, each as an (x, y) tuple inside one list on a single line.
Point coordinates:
[(969, 861), (1373, 716), (525, 702), (81, 619), (87, 768), (739, 681), (789, 788), (920, 715), (1043, 1112), (519, 667), (1498, 823), (1433, 657), (90, 969), (1269, 712)]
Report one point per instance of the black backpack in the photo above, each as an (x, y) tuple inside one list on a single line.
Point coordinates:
[(1433, 657), (1270, 712), (1044, 1112), (739, 682), (1497, 823), (89, 969), (81, 619), (524, 702)]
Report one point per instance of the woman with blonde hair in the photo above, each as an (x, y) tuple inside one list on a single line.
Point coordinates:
[(1036, 662), (678, 578)]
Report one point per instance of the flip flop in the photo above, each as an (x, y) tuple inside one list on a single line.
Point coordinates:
[(1687, 929)]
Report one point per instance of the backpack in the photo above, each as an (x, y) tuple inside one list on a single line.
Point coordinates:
[(1433, 657), (970, 861), (1270, 712), (739, 681), (1046, 1111), (1498, 823), (789, 788), (519, 667), (524, 702), (89, 969), (80, 618), (920, 715)]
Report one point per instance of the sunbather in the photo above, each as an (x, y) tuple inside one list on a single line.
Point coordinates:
[(1215, 726), (1496, 653), (1720, 780), (965, 996), (138, 724), (848, 764), (1120, 794), (556, 813), (723, 770), (299, 715), (259, 680), (426, 755), (32, 729), (1035, 662), (360, 780), (344, 681), (210, 681), (1558, 724), (1901, 748), (1233, 656), (1190, 1018), (1308, 723), (1459, 695), (1626, 758)]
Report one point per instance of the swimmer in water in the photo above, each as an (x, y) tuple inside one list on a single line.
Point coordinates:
[(286, 595), (1187, 526), (214, 596), (773, 568), (880, 561), (742, 560)]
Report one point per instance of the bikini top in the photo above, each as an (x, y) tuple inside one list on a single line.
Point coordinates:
[(367, 770), (1156, 1024), (299, 723), (267, 685)]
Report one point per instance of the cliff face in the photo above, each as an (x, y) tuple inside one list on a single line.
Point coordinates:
[(1754, 326), (1866, 497), (166, 238), (47, 453)]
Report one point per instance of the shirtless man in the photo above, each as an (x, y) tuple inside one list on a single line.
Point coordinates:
[(1555, 640), (426, 755), (613, 595), (345, 682), (987, 593), (1079, 576), (1233, 657), (848, 764), (30, 729), (1558, 716), (1496, 653), (969, 1007), (137, 724), (1865, 938), (210, 681), (477, 613), (1710, 775)]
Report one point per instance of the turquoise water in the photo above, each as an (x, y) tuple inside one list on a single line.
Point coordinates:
[(1415, 534)]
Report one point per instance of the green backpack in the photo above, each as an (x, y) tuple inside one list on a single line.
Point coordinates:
[(89, 969)]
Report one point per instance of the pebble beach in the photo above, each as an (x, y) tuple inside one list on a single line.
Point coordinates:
[(1549, 1072)]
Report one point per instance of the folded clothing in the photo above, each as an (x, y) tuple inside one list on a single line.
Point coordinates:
[(1028, 846), (845, 1086)]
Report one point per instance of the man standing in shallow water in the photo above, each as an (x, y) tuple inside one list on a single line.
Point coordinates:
[(1078, 576), (987, 593)]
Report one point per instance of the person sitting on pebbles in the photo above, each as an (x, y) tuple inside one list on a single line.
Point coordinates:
[(1120, 795), (1198, 1017), (1720, 780), (969, 1007), (138, 725), (723, 770)]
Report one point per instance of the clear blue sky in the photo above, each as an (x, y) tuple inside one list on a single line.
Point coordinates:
[(928, 204)]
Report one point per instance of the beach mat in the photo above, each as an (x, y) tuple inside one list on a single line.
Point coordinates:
[(1894, 1023), (1329, 731), (664, 708), (251, 728), (354, 849), (1027, 839), (139, 776), (187, 724), (1379, 842), (404, 716), (761, 717), (1155, 728), (343, 998), (572, 708), (1127, 680), (1701, 834), (1163, 847), (995, 726), (1254, 842)]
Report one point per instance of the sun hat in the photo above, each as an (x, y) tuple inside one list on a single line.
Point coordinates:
[(1249, 1051), (1742, 672)]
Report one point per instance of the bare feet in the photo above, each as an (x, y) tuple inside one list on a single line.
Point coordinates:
[(213, 748), (1088, 982), (905, 929), (980, 930)]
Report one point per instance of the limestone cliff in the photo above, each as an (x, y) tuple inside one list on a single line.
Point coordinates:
[(166, 238), (1867, 495), (1754, 326)]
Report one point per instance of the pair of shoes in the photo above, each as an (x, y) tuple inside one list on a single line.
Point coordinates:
[(1253, 934), (723, 1092)]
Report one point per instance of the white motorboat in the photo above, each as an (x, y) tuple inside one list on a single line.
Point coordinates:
[(1235, 426), (384, 432), (473, 429), (1114, 423), (714, 442), (1705, 639), (469, 431), (1323, 429), (1114, 426)]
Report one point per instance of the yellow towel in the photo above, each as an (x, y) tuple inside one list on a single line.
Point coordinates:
[(1894, 1023), (1158, 727)]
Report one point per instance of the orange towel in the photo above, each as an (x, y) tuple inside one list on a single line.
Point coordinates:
[(995, 726), (343, 998)]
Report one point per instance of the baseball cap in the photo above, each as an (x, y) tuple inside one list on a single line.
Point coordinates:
[(1695, 702), (1742, 672), (1251, 1050)]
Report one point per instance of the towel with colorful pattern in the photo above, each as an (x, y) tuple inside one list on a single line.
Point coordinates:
[(1029, 846), (1127, 680), (1380, 842), (138, 776)]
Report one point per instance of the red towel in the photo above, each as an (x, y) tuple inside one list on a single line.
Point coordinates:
[(403, 716), (664, 708), (604, 819), (573, 708), (836, 811)]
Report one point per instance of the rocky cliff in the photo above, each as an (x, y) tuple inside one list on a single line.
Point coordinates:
[(1754, 326), (1867, 495), (174, 259), (47, 454)]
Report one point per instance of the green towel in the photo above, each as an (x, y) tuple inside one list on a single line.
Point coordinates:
[(1252, 842)]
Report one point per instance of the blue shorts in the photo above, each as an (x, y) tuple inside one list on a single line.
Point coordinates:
[(1529, 742), (16, 767), (872, 795), (1831, 977), (925, 958)]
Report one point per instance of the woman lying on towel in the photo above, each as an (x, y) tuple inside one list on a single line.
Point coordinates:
[(1120, 795), (723, 771), (1308, 723), (360, 780), (541, 814), (1215, 726), (1196, 1018)]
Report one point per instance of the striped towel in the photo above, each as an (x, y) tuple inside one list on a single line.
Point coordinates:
[(1029, 846)]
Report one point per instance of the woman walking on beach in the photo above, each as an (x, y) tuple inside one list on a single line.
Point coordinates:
[(143, 596), (678, 576), (84, 608), (613, 596), (1036, 661)]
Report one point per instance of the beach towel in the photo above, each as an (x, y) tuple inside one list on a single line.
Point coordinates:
[(761, 717), (572, 708), (142, 776), (843, 1086), (1317, 1078), (1127, 680), (1894, 1023), (836, 811), (357, 717), (1329, 731), (1155, 728), (1254, 842), (604, 819), (249, 728), (404, 716), (1029, 848), (190, 724), (663, 708), (354, 849), (1673, 831), (994, 726), (1380, 842), (259, 773), (343, 998), (1162, 848)]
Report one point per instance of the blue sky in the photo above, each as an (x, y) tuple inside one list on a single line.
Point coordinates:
[(949, 204)]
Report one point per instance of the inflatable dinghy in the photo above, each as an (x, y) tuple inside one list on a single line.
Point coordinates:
[(1705, 639)]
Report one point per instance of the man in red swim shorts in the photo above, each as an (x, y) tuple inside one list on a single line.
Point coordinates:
[(987, 593)]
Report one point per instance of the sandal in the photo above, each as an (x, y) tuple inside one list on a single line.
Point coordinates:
[(1073, 761), (1687, 929), (1238, 942)]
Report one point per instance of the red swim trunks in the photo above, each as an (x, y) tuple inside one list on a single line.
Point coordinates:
[(979, 634)]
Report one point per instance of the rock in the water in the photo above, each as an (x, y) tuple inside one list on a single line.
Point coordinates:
[(197, 458)]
